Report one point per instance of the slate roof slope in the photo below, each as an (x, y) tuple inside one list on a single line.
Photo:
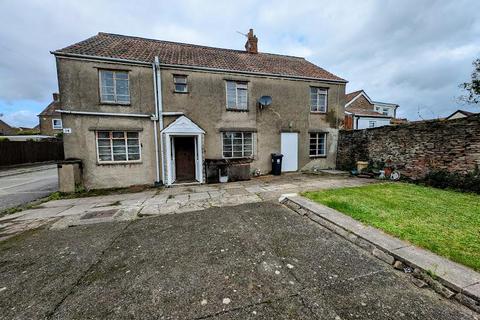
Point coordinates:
[(109, 45)]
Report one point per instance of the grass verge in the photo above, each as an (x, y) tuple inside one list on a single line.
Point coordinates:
[(442, 221)]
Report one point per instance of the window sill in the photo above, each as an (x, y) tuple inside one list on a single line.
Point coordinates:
[(237, 110), (115, 104), (181, 92), (318, 112), (109, 163), (318, 157)]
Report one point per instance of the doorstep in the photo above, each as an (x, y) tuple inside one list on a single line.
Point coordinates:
[(461, 279)]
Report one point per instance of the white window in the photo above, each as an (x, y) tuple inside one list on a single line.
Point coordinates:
[(57, 124), (180, 83), (318, 142), (237, 95), (385, 111), (372, 124), (118, 146), (318, 99), (237, 144), (114, 87)]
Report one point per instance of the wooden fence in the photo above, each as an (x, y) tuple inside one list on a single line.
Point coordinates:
[(18, 152)]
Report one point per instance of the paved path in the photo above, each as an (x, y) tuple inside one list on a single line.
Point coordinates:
[(22, 185), (253, 261), (180, 199)]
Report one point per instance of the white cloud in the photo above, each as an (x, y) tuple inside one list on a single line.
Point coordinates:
[(413, 53)]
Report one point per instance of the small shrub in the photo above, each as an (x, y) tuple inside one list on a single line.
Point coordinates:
[(4, 139)]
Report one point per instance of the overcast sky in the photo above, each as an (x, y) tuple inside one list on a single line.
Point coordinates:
[(414, 53)]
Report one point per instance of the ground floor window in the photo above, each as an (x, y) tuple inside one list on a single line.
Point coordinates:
[(118, 146), (237, 144), (318, 141)]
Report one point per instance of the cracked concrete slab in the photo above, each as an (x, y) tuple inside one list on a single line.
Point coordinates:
[(257, 260)]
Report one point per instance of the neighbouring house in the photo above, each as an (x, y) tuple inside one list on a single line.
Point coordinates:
[(459, 114), (361, 112), (5, 129), (50, 121), (143, 111)]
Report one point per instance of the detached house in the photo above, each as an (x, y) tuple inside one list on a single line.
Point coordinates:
[(142, 111), (361, 112), (50, 120)]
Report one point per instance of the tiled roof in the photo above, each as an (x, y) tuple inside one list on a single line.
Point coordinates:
[(108, 45), (349, 96), (50, 109), (364, 112)]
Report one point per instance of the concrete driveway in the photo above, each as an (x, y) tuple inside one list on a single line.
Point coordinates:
[(22, 185), (252, 261)]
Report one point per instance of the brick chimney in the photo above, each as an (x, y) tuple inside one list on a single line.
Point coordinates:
[(252, 42), (55, 97)]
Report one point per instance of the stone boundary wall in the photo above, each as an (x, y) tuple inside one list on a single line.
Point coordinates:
[(415, 148)]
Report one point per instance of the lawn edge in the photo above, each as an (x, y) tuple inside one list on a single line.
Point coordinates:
[(463, 283)]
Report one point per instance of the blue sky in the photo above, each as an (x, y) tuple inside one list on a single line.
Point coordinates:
[(414, 53)]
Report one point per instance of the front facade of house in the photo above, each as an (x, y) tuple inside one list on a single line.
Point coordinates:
[(50, 120), (133, 118), (361, 112)]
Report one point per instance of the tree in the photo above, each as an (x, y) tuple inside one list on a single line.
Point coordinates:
[(473, 88)]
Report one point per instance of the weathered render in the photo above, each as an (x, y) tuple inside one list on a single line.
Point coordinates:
[(204, 104)]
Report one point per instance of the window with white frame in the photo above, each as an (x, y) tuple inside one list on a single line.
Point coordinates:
[(118, 146), (57, 124), (318, 99), (237, 95), (114, 86), (180, 82), (318, 141), (372, 124), (385, 111), (237, 144)]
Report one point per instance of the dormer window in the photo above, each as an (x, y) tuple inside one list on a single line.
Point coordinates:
[(114, 87), (318, 99), (180, 82)]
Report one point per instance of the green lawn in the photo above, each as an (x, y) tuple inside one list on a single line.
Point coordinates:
[(444, 222)]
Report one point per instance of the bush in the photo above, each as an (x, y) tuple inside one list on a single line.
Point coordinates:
[(4, 139), (469, 182)]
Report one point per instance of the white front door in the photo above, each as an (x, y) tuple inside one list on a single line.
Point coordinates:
[(289, 149)]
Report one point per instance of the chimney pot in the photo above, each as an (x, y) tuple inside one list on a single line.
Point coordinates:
[(55, 97), (252, 42)]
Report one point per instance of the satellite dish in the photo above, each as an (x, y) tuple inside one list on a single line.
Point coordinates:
[(265, 101)]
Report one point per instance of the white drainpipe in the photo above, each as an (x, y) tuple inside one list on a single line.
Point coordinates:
[(155, 135), (159, 115)]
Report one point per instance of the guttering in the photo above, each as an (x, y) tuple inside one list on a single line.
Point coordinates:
[(110, 114), (190, 67), (173, 113)]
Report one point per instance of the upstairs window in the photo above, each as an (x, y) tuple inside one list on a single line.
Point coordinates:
[(318, 100), (385, 111), (114, 87), (237, 144), (57, 124), (318, 141), (180, 83), (118, 146), (237, 95)]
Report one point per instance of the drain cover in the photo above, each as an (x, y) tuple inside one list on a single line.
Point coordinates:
[(100, 214)]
